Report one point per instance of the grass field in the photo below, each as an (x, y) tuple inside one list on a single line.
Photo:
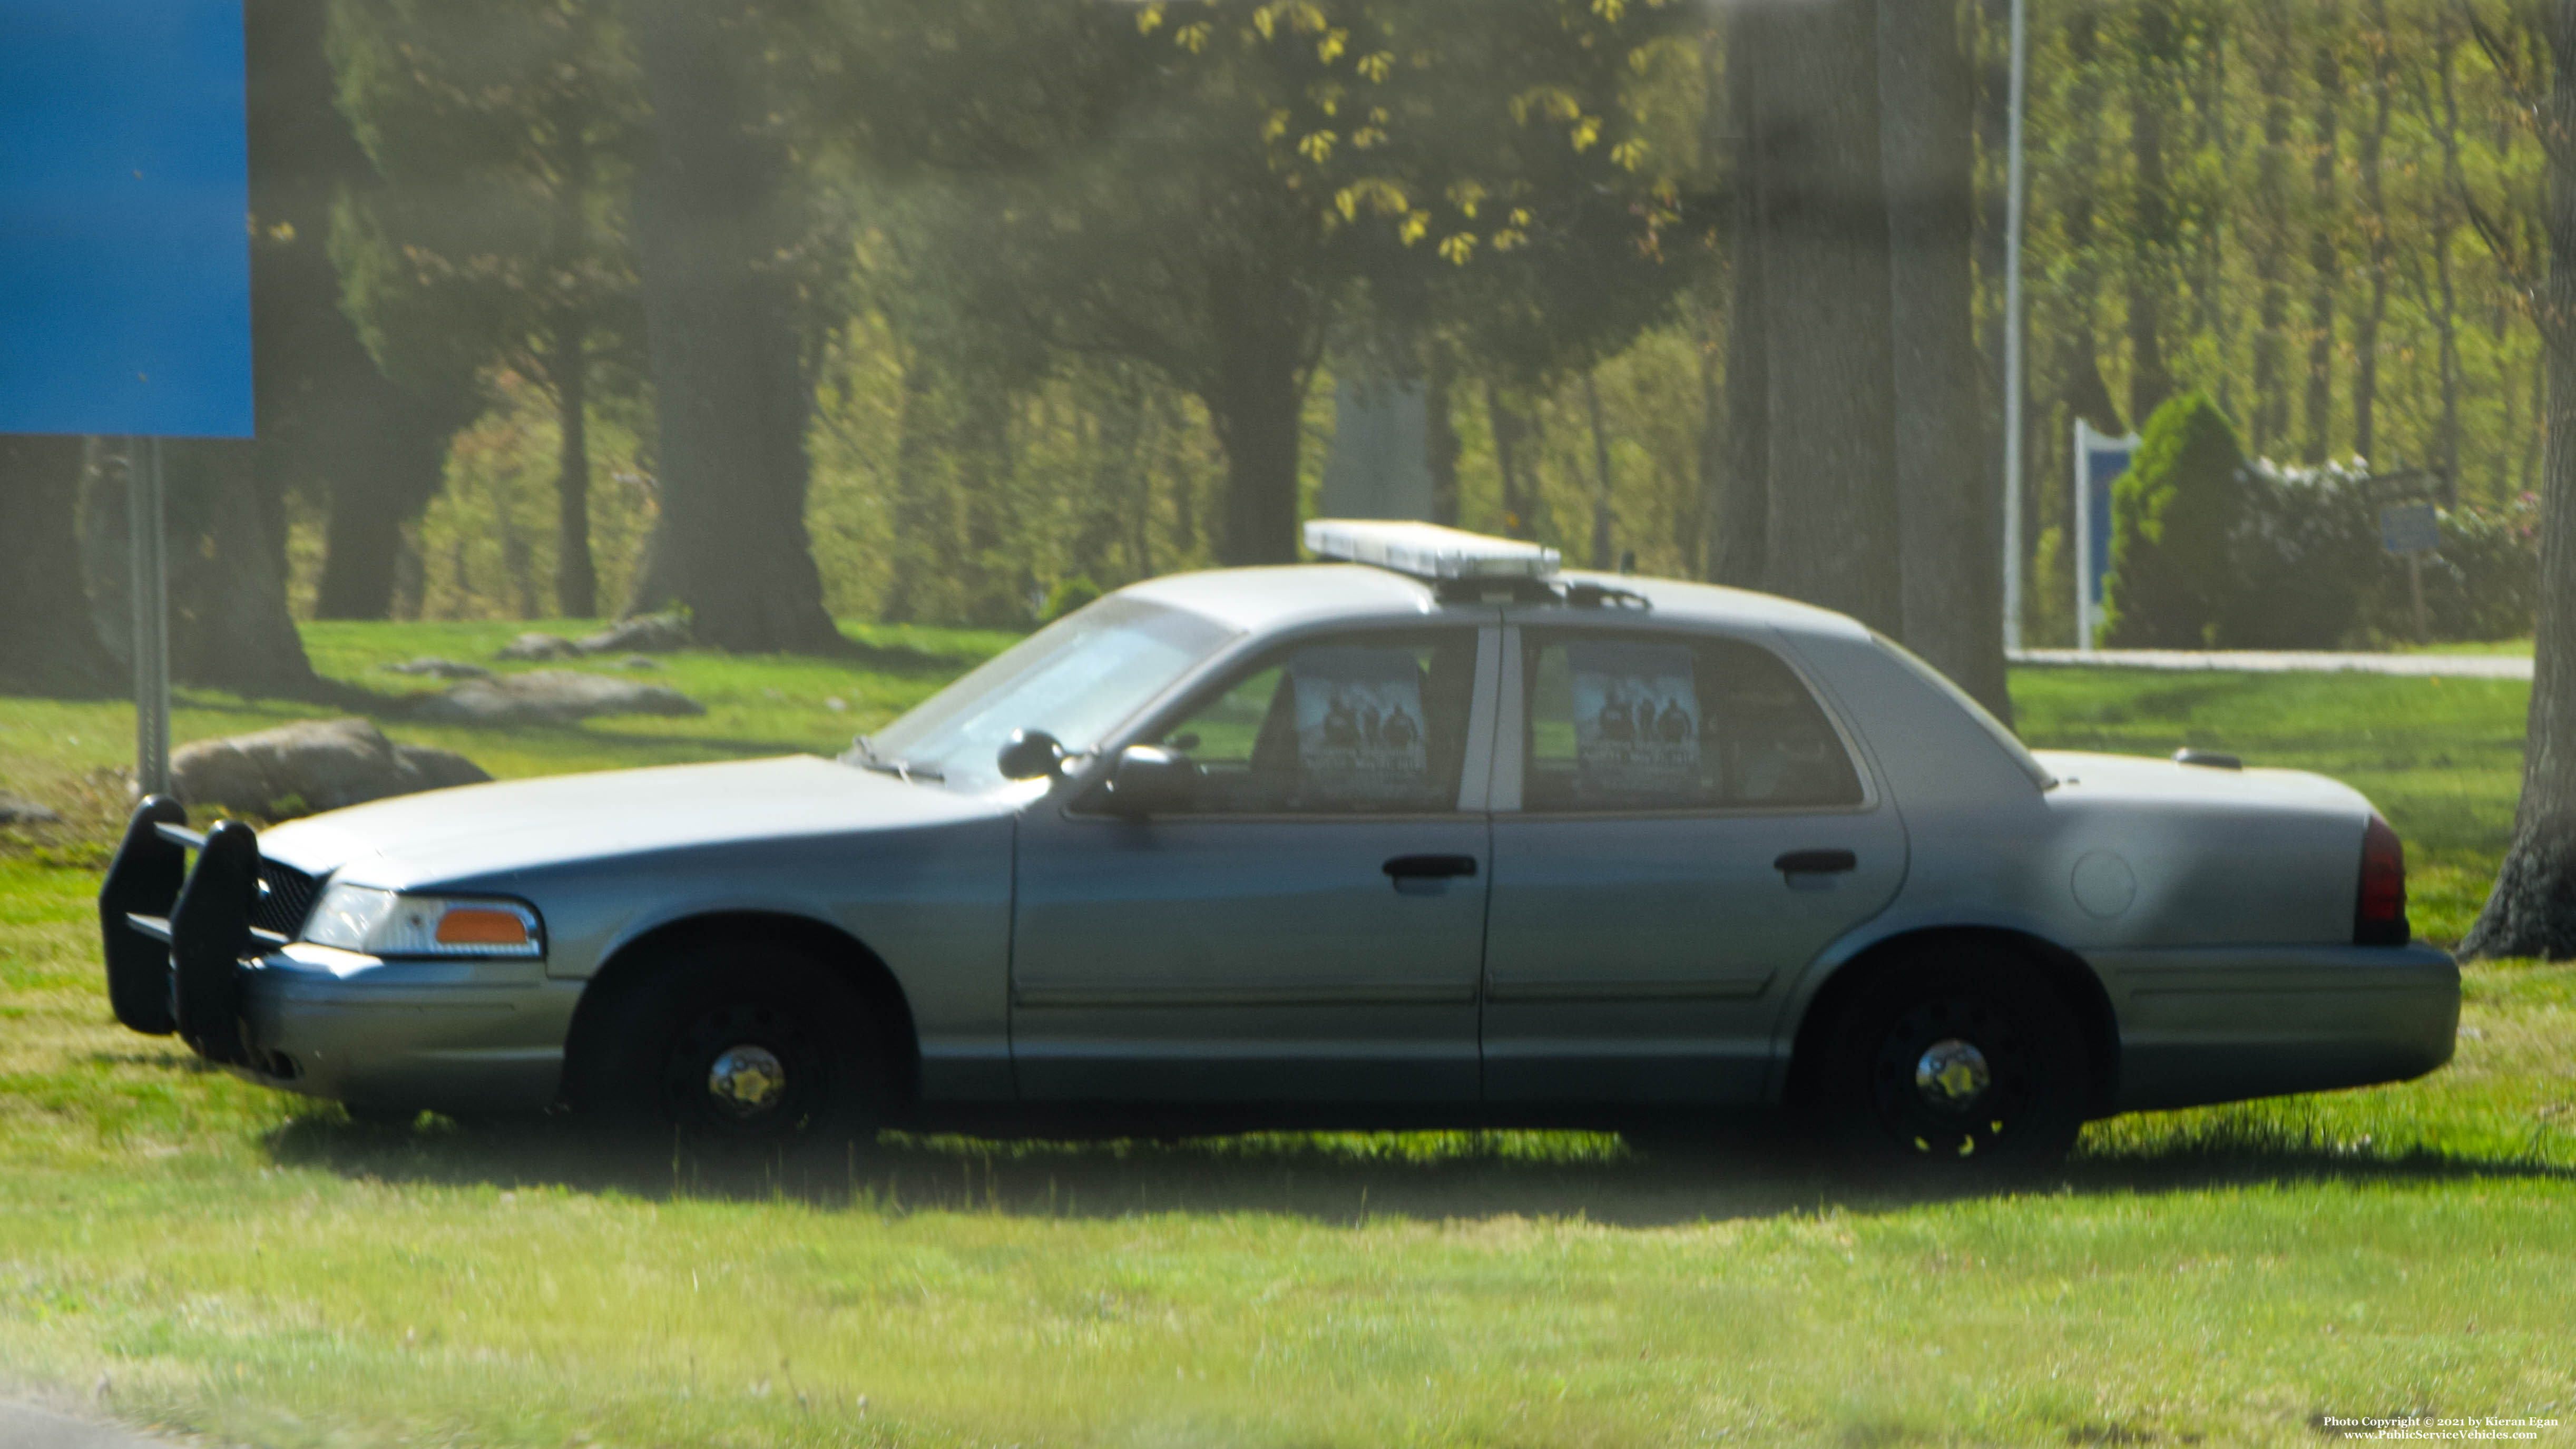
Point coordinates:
[(180, 1250)]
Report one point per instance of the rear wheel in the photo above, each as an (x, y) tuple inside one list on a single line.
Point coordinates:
[(1956, 1065), (744, 1051)]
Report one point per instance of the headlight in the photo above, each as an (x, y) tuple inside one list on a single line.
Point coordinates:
[(385, 923)]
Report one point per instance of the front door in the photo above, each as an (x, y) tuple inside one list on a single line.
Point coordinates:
[(1689, 829), (1312, 928)]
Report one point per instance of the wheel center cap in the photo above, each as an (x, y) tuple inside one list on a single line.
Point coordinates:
[(1951, 1075), (746, 1080)]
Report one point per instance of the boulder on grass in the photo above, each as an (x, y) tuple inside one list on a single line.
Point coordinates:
[(319, 764), (436, 668), (19, 810), (539, 646), (643, 634), (549, 696)]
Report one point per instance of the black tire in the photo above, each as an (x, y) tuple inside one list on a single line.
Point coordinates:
[(736, 1052), (1957, 1066)]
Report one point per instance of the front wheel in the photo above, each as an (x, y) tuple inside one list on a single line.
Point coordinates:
[(1955, 1066), (751, 1050)]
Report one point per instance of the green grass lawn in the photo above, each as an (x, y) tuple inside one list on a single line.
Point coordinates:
[(182, 1250)]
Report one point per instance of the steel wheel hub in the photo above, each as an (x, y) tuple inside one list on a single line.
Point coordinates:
[(746, 1081), (1951, 1075)]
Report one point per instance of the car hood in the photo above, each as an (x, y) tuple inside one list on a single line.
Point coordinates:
[(480, 831)]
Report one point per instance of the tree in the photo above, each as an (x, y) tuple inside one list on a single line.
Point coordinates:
[(1273, 171), (47, 644), (1950, 536), (2171, 514), (715, 211), (505, 134), (1827, 311), (2532, 911)]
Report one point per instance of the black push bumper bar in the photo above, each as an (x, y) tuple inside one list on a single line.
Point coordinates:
[(176, 937)]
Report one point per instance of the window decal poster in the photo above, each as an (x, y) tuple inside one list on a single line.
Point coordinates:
[(1359, 722), (1636, 715)]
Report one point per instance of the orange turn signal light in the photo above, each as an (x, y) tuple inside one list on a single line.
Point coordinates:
[(473, 926)]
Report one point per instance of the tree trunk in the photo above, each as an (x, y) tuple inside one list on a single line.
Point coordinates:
[(1509, 432), (1263, 333), (1948, 514), (2532, 911), (721, 321), (1744, 498), (48, 644), (384, 473), (1832, 534), (229, 625), (1440, 440), (1602, 515), (2325, 256), (2271, 229), (576, 577), (2157, 53), (2374, 194)]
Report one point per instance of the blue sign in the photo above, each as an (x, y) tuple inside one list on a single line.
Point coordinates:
[(124, 215), (2101, 465), (2410, 528)]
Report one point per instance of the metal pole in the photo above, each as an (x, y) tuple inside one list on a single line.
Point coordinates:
[(2014, 186), (2083, 535), (150, 574)]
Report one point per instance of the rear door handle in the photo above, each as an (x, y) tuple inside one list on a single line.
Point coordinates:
[(1816, 862), (1429, 867)]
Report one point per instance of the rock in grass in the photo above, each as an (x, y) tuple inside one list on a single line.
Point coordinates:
[(19, 810), (436, 668), (549, 696), (643, 634), (539, 646), (311, 765)]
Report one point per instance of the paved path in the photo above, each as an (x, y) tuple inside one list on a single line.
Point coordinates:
[(25, 1428), (2286, 661)]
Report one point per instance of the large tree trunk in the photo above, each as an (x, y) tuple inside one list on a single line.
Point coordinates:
[(387, 458), (1264, 338), (729, 391), (1832, 534), (229, 626), (1744, 498), (2532, 911), (576, 578), (48, 643), (1948, 514)]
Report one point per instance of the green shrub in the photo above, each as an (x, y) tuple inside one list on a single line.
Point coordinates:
[(2304, 561), (2171, 517), (1069, 595)]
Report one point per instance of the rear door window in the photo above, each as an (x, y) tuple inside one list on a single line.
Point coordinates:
[(1673, 722)]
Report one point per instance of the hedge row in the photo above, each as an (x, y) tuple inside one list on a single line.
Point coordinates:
[(2210, 550)]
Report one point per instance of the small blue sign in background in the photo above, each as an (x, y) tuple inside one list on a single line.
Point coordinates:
[(124, 213), (2101, 465)]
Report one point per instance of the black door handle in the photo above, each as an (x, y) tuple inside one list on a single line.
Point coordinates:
[(1429, 867), (1816, 862)]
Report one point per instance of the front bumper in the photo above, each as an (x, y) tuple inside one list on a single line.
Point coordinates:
[(2221, 1024), (206, 953)]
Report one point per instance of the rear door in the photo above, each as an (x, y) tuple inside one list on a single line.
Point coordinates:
[(1679, 824)]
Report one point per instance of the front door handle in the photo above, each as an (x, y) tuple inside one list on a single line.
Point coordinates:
[(1429, 867), (1816, 862)]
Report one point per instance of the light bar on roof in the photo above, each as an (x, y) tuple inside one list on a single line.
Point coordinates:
[(1427, 550)]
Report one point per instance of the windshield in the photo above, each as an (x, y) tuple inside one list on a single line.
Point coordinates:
[(1076, 679)]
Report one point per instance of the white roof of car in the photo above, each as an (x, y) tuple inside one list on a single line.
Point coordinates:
[(1265, 599)]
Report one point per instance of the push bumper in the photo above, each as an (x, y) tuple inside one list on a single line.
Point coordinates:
[(2224, 1024), (206, 953)]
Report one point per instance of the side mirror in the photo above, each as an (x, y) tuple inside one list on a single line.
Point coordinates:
[(1149, 779), (1030, 755)]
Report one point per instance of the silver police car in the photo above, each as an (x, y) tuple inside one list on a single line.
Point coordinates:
[(1436, 834)]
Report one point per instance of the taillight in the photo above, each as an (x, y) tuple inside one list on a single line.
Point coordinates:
[(2379, 916)]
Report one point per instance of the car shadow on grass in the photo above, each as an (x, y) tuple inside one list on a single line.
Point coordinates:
[(1333, 1178)]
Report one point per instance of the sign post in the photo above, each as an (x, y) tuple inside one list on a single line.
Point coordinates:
[(150, 575), (2410, 531), (2099, 458)]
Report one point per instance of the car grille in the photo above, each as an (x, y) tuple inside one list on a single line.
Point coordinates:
[(285, 898)]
